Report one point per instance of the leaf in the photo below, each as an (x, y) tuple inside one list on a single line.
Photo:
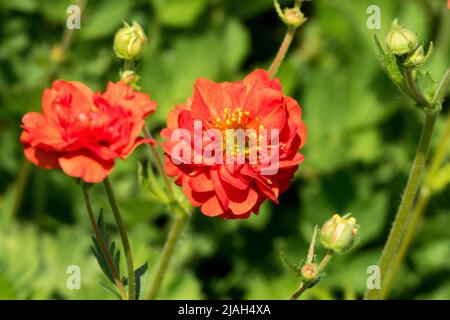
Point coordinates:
[(426, 84), (140, 276), (98, 253), (111, 289), (152, 184), (389, 64)]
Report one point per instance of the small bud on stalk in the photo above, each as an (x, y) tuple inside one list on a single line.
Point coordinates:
[(129, 41), (310, 274), (339, 234), (418, 57), (292, 17), (131, 78)]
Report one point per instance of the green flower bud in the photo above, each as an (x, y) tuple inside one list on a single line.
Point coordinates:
[(310, 274), (418, 58), (400, 40), (339, 233), (293, 17), (129, 41), (130, 77)]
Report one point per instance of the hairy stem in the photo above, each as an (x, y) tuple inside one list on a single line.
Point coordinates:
[(404, 219), (391, 248), (422, 202), (166, 254), (98, 235), (124, 238)]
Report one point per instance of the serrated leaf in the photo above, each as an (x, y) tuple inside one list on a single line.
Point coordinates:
[(389, 64), (113, 251), (151, 183), (426, 84)]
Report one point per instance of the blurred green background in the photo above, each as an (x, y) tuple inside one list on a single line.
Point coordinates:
[(361, 141)]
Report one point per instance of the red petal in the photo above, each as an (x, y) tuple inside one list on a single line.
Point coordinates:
[(86, 166), (42, 158), (212, 207)]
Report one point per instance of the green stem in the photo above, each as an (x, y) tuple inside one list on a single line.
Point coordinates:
[(415, 92), (166, 254), (399, 227), (101, 241), (423, 200), (21, 183), (282, 51), (124, 238), (302, 288), (404, 219), (325, 261)]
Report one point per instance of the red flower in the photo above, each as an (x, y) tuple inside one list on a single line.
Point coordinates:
[(235, 190), (82, 132)]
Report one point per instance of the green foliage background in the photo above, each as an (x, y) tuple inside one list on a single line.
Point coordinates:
[(361, 140)]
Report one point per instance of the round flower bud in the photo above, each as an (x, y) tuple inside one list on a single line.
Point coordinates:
[(400, 40), (293, 17), (339, 233), (310, 274), (418, 58), (129, 41), (309, 271)]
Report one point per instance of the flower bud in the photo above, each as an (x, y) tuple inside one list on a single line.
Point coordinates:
[(129, 76), (339, 233), (129, 41), (400, 40), (418, 58), (293, 17), (310, 274)]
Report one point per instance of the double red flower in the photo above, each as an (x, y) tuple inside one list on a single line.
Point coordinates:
[(82, 132), (236, 190)]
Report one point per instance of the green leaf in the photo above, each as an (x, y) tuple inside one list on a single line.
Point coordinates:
[(140, 276), (426, 84), (98, 253), (152, 184), (389, 64)]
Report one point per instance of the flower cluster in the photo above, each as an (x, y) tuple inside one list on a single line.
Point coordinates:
[(83, 132)]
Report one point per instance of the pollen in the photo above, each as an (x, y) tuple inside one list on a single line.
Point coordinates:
[(232, 119)]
